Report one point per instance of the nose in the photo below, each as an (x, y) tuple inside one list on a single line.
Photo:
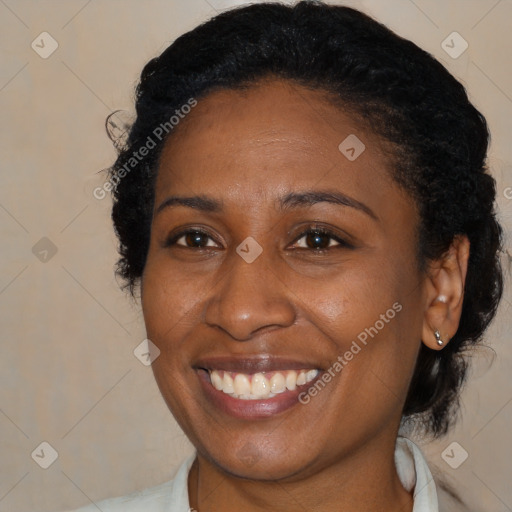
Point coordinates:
[(249, 299)]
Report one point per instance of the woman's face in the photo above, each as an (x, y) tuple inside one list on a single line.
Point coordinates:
[(275, 253)]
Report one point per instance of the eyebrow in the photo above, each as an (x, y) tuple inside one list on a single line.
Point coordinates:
[(202, 203), (297, 199), (289, 201)]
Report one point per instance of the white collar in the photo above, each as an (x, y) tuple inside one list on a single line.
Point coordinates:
[(414, 473)]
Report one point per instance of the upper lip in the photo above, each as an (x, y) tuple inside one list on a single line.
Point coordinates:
[(250, 365)]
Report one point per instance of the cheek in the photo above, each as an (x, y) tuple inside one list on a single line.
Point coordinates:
[(353, 295), (370, 313), (169, 301), (169, 296)]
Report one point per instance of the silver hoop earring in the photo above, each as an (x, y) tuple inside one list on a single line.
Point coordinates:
[(437, 334)]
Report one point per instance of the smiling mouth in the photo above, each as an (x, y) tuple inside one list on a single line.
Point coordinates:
[(262, 385)]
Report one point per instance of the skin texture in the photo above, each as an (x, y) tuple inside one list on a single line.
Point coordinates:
[(246, 150)]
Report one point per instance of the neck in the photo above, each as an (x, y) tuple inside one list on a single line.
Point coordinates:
[(363, 481)]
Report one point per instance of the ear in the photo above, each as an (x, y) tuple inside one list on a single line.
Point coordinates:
[(445, 294)]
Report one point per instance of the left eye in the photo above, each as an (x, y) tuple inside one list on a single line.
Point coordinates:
[(319, 240)]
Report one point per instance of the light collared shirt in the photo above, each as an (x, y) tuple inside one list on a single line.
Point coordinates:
[(172, 496)]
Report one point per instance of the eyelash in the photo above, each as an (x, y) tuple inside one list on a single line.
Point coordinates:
[(173, 239)]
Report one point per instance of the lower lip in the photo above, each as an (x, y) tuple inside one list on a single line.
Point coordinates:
[(251, 409)]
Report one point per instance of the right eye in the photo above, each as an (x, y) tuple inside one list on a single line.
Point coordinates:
[(191, 239)]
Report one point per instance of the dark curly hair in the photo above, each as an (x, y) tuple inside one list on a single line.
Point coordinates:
[(438, 141)]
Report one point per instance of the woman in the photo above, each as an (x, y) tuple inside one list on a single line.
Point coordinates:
[(304, 202)]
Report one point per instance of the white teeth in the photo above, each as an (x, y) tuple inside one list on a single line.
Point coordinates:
[(227, 383), (258, 386), (241, 384), (277, 383), (291, 380), (310, 375), (216, 381)]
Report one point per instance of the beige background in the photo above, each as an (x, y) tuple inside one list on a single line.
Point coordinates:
[(69, 376)]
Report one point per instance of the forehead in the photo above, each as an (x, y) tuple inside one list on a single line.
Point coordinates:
[(271, 138)]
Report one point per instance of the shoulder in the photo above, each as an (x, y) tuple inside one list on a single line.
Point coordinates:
[(171, 496), (153, 499), (432, 490)]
